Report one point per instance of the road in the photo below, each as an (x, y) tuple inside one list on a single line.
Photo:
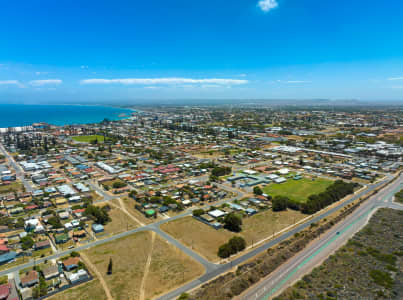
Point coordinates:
[(18, 170), (321, 249), (211, 270), (220, 269)]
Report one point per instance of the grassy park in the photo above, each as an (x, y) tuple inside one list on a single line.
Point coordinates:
[(89, 138), (298, 190)]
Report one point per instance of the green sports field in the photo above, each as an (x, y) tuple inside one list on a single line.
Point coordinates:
[(298, 190), (88, 138)]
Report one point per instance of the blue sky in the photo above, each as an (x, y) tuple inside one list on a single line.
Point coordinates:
[(97, 51)]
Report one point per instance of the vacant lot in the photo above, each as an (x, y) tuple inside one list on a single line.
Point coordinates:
[(169, 267), (201, 237), (206, 240), (88, 138), (87, 291), (119, 222), (369, 266), (12, 187), (263, 224), (298, 190)]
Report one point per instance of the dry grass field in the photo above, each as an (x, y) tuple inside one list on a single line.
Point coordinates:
[(206, 240), (87, 291), (202, 238), (169, 267), (119, 222), (263, 224)]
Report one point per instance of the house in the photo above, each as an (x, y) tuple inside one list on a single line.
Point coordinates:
[(30, 279), (79, 234), (97, 228), (216, 213), (280, 180), (77, 277), (71, 263), (7, 257), (42, 245), (4, 291), (163, 209), (61, 238), (150, 213), (26, 293), (50, 272)]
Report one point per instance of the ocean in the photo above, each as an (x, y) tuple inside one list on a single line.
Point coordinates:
[(13, 115)]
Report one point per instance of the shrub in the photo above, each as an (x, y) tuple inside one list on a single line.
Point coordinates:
[(381, 278)]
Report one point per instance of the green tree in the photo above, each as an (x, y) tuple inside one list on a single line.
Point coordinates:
[(279, 203), (257, 190), (198, 212), (233, 222), (27, 242), (110, 267), (237, 243)]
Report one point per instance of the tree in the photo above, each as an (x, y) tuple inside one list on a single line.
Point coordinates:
[(75, 254), (110, 267), (27, 242), (224, 251), (257, 190), (119, 184), (237, 244), (279, 203), (198, 212), (99, 215), (233, 222)]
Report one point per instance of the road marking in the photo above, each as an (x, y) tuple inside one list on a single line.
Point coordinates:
[(279, 285)]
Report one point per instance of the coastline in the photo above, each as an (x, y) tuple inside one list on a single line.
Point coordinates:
[(20, 115)]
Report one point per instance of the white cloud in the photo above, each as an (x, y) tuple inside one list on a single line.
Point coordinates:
[(84, 67), (395, 78), (293, 81), (9, 82), (164, 81), (45, 82), (298, 81), (267, 5)]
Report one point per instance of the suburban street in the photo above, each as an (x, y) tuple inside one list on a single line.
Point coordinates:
[(321, 249), (18, 170), (213, 270)]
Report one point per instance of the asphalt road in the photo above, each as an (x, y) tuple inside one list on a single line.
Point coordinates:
[(321, 249), (209, 275), (212, 270), (18, 170)]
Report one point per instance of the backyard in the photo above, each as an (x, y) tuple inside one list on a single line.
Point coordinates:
[(298, 190)]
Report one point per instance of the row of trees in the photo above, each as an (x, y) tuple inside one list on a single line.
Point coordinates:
[(338, 190)]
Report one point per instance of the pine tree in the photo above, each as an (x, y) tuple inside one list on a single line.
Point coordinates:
[(110, 267)]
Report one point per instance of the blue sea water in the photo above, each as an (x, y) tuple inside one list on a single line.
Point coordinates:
[(12, 115)]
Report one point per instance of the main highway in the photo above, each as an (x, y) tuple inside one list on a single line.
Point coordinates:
[(322, 248)]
